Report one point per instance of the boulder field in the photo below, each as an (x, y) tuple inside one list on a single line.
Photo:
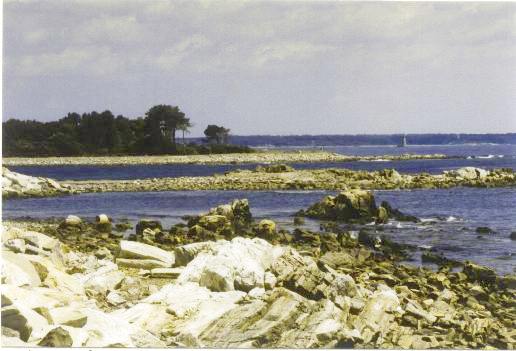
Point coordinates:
[(239, 284)]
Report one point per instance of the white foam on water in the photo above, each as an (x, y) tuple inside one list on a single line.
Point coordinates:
[(451, 219)]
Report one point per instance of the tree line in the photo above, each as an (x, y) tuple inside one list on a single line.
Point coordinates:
[(102, 133)]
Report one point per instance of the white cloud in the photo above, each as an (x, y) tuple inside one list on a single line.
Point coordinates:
[(71, 61), (36, 36), (289, 51), (170, 58), (232, 54), (113, 29)]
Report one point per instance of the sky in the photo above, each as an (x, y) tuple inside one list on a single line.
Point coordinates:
[(267, 67)]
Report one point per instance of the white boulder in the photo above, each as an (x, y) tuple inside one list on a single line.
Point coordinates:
[(133, 249), (239, 264)]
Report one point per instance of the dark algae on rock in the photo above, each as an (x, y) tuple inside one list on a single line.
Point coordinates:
[(354, 206)]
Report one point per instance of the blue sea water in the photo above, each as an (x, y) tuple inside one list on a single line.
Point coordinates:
[(450, 215), (483, 156)]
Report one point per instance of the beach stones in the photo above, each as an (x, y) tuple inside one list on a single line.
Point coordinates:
[(267, 229), (479, 273), (147, 223), (382, 215), (72, 221), (214, 222), (275, 168)]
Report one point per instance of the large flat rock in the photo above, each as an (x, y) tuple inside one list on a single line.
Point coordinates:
[(133, 249)]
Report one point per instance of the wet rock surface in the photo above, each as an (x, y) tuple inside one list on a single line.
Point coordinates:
[(236, 282), (354, 205)]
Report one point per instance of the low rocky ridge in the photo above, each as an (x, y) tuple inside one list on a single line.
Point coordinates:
[(20, 185), (285, 178), (295, 156), (224, 280)]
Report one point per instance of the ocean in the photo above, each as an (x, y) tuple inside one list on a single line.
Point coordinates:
[(450, 216)]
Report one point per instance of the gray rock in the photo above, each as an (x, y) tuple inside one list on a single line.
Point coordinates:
[(376, 316), (19, 271), (73, 221), (57, 337), (30, 324), (147, 224), (468, 173), (103, 280), (115, 299), (133, 249), (69, 316), (16, 245), (186, 253)]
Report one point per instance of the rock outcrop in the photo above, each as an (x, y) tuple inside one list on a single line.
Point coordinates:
[(353, 205), (53, 301), (245, 292), (468, 173), (16, 185)]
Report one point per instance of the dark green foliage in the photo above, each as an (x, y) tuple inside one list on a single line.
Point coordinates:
[(216, 134), (104, 134)]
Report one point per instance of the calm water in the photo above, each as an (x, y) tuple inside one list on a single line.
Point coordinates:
[(451, 216), (483, 156)]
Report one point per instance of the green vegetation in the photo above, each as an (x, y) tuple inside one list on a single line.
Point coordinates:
[(217, 134), (104, 134)]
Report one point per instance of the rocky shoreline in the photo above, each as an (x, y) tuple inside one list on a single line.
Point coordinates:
[(294, 156), (320, 179), (222, 279)]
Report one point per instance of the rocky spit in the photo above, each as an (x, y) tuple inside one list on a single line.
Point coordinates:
[(222, 280), (296, 156), (272, 177), (20, 185), (282, 177)]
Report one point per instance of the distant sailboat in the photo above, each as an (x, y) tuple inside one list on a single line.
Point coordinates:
[(403, 142)]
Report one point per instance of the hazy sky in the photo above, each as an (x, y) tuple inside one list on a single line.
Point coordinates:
[(267, 67)]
